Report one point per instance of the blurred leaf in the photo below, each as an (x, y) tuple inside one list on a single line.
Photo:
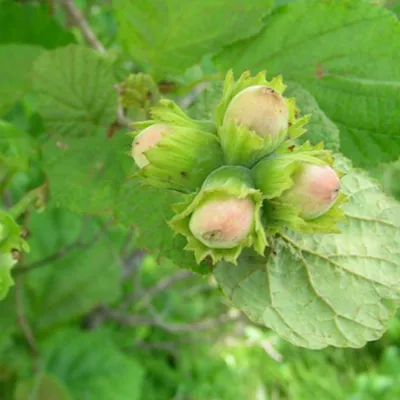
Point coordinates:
[(279, 3), (392, 5), (321, 290), (206, 102), (170, 36), (8, 319), (99, 181), (31, 25), (86, 174), (75, 91), (16, 147), (46, 387), (389, 176), (79, 278), (334, 49), (15, 66), (91, 367), (320, 127)]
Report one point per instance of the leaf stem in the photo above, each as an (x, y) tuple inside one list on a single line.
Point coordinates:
[(80, 22), (33, 197), (24, 324)]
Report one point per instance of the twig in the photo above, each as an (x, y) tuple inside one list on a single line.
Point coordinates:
[(271, 351), (147, 295), (205, 79), (188, 100), (34, 197), (122, 120), (168, 347), (132, 262), (80, 22), (141, 320), (60, 253), (23, 323)]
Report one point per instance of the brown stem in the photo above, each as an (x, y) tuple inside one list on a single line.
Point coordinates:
[(60, 253), (140, 320), (77, 19), (147, 295), (24, 325)]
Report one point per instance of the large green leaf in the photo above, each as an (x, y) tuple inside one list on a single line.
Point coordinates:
[(319, 128), (74, 86), (16, 62), (31, 25), (321, 290), (77, 277), (86, 174), (171, 35), (91, 367), (346, 53)]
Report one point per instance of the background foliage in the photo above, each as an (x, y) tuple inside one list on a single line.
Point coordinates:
[(99, 309)]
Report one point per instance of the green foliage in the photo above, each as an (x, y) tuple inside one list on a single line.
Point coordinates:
[(322, 290), (19, 24), (16, 62), (319, 128), (16, 147), (75, 93), (77, 167), (168, 37), (139, 91), (85, 275), (8, 319), (45, 387), (132, 210), (354, 81), (389, 176), (98, 308), (11, 244), (91, 366)]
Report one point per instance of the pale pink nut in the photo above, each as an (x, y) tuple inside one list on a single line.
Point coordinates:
[(147, 139), (260, 109), (315, 190), (223, 223)]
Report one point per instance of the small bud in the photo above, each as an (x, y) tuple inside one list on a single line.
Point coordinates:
[(223, 223), (315, 190), (146, 140), (260, 109)]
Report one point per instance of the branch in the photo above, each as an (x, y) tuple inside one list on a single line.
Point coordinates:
[(60, 253), (141, 320), (80, 22), (23, 323), (34, 197), (147, 295), (168, 347)]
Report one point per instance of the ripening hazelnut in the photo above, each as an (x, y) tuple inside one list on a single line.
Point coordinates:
[(222, 222), (145, 140), (260, 109), (315, 190)]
